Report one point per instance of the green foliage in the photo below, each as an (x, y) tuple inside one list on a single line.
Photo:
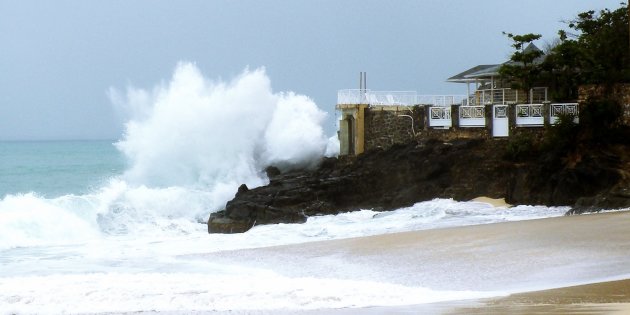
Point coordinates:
[(562, 136), (599, 125), (561, 73), (601, 121), (520, 147), (595, 51), (523, 70)]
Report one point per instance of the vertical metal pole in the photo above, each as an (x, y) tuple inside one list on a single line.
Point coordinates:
[(468, 93), (360, 87), (482, 102), (492, 88), (362, 98)]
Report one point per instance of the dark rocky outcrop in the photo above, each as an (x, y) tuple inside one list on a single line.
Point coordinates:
[(418, 171)]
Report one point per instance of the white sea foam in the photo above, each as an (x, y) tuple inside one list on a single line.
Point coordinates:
[(242, 290), (194, 131), (126, 273), (29, 220), (132, 244), (332, 148), (190, 143)]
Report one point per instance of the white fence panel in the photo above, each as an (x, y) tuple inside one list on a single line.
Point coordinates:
[(440, 117), (529, 115), (472, 116), (563, 109)]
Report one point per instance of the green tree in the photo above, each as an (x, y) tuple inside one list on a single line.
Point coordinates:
[(594, 50), (523, 70)]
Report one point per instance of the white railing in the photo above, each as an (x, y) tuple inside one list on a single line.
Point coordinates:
[(440, 100), (358, 96), (472, 116), (556, 110), (403, 98), (440, 116), (408, 98), (507, 96), (355, 96), (529, 115)]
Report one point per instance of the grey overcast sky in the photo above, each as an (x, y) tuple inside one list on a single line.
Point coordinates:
[(59, 58)]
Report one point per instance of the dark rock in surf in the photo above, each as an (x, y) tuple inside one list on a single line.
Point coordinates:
[(419, 171)]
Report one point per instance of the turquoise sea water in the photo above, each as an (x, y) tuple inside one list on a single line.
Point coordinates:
[(55, 168)]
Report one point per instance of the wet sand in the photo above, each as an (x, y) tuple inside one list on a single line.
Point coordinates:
[(493, 201), (604, 298), (608, 297), (525, 256), (611, 297), (585, 259)]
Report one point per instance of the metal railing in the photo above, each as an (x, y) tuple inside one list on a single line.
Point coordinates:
[(354, 96), (529, 115), (472, 116), (556, 110), (507, 96), (403, 98), (440, 100), (358, 96), (408, 98)]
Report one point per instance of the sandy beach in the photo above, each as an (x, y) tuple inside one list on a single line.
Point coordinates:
[(567, 264), (612, 297)]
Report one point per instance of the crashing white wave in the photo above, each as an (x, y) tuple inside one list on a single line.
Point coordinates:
[(190, 143), (127, 273), (200, 132), (240, 290)]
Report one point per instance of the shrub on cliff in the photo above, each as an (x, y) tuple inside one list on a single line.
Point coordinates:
[(566, 143), (520, 147), (602, 122)]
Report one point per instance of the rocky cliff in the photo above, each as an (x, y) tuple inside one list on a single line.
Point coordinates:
[(422, 170)]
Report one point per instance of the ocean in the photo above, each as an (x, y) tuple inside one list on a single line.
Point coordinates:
[(76, 238), (106, 227), (57, 168)]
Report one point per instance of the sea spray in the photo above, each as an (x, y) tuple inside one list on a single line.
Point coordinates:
[(189, 142), (200, 132), (212, 136)]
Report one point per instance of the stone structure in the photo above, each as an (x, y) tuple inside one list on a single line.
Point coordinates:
[(389, 125), (366, 127), (380, 119)]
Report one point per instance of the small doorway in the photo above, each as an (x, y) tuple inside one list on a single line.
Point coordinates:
[(350, 128)]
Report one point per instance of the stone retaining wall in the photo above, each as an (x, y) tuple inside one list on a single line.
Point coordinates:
[(381, 127), (619, 92), (389, 125)]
